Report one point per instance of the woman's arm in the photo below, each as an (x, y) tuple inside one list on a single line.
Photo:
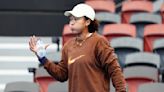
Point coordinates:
[(109, 63), (58, 71)]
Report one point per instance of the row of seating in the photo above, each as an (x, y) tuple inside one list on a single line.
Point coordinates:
[(33, 87), (63, 87), (135, 75), (128, 8), (110, 31), (130, 45), (139, 67)]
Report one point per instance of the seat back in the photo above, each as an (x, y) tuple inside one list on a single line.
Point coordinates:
[(119, 30), (151, 87), (58, 87), (138, 75), (106, 18), (143, 19), (102, 5), (21, 87), (158, 47), (124, 46), (143, 58), (131, 7), (152, 33), (43, 78)]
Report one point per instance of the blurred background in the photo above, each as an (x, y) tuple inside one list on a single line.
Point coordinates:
[(134, 28)]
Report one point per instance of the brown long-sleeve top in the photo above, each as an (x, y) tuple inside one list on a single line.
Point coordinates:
[(89, 67)]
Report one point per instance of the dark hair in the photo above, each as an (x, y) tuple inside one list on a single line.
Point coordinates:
[(93, 25)]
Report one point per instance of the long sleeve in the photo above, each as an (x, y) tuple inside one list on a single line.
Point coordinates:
[(109, 62), (58, 71)]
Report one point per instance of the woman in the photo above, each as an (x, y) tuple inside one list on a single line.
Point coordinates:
[(87, 60)]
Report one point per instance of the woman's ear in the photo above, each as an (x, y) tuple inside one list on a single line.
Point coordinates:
[(88, 22)]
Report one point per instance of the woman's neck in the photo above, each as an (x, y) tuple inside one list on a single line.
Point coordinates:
[(83, 35)]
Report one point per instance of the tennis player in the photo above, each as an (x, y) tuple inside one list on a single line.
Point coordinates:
[(88, 61)]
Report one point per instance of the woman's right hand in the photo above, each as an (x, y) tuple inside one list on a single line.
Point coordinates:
[(38, 49), (32, 44)]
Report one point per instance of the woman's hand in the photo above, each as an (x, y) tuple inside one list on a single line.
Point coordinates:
[(38, 48), (32, 44)]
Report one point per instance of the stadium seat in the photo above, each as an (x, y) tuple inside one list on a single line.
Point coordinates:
[(162, 12), (138, 75), (142, 59), (22, 87), (58, 87), (158, 48), (152, 33), (107, 18), (43, 78), (132, 7), (140, 20), (111, 31), (67, 34), (151, 87), (124, 46), (102, 5)]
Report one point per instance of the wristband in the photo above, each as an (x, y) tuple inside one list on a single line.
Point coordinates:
[(42, 60)]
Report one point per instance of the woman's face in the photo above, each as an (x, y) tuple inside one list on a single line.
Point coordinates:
[(77, 24)]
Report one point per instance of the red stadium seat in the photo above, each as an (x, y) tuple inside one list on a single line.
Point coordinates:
[(162, 13), (111, 31), (151, 33), (102, 5), (137, 75), (43, 79), (67, 34), (131, 7), (106, 18)]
